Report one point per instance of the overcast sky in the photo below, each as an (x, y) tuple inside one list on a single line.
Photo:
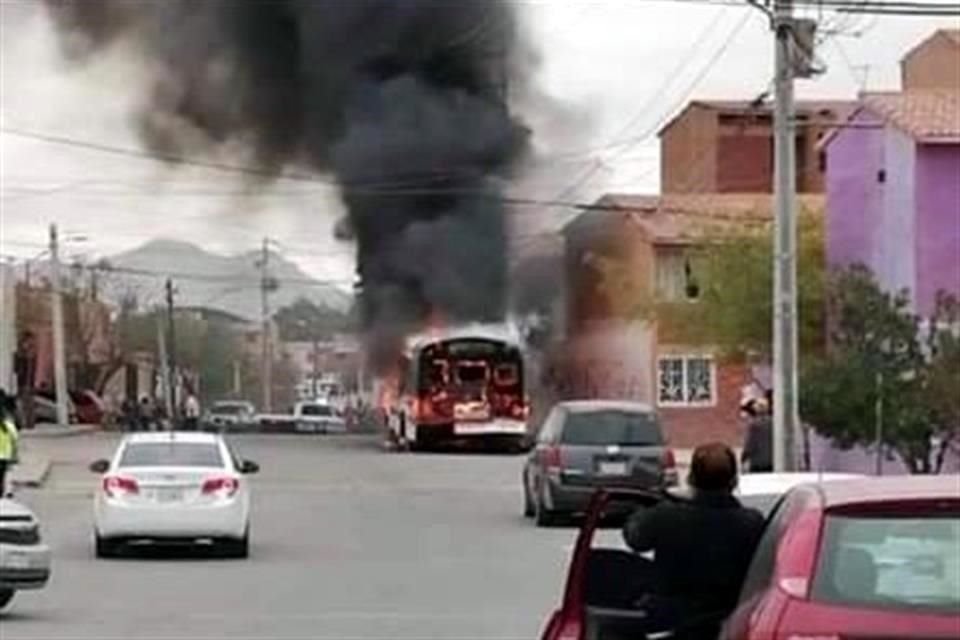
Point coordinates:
[(619, 68)]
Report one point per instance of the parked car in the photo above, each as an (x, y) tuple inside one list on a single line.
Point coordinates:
[(588, 444), (230, 414), (606, 581), (45, 409), (88, 406), (870, 558), (762, 491), (318, 416), (24, 559), (173, 487)]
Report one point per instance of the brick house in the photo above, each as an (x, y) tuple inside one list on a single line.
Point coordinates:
[(642, 355), (893, 192), (726, 146), (934, 63)]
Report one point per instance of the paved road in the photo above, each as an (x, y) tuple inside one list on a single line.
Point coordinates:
[(349, 542)]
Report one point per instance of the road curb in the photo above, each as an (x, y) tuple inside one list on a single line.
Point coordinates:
[(53, 431), (33, 475)]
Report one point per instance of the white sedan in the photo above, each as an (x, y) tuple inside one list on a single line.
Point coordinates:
[(173, 487), (24, 559)]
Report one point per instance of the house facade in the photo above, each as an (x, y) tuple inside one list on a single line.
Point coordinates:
[(726, 146), (630, 266), (893, 192)]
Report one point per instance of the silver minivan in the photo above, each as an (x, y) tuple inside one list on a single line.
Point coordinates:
[(584, 445)]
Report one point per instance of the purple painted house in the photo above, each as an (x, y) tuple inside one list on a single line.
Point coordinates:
[(893, 204), (893, 192)]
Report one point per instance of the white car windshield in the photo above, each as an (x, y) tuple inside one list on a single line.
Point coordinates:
[(318, 410), (229, 409), (171, 454)]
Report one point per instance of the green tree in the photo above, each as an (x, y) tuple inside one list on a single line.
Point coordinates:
[(205, 347), (874, 372), (942, 387)]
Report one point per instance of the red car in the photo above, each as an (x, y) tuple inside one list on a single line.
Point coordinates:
[(870, 558), (606, 582)]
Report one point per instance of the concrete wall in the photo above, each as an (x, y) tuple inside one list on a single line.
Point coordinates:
[(893, 256), (827, 456), (937, 237), (8, 327), (854, 158)]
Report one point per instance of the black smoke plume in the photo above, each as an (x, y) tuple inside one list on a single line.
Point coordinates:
[(403, 101)]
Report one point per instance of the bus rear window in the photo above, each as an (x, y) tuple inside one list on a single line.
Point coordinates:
[(890, 563)]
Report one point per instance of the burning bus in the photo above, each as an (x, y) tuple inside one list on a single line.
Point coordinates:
[(458, 385)]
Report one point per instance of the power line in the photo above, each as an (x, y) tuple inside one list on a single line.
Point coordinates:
[(153, 156), (216, 278)]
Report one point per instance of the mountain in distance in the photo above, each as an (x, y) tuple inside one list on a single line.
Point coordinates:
[(228, 283)]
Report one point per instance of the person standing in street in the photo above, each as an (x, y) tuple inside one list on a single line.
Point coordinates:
[(757, 455), (9, 438), (191, 412)]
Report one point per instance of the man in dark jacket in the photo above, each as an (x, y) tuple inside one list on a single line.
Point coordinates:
[(701, 547)]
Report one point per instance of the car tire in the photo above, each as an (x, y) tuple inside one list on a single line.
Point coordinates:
[(542, 516), (237, 548), (105, 547), (528, 510), (6, 595)]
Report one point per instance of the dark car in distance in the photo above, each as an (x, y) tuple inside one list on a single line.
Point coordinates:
[(584, 445)]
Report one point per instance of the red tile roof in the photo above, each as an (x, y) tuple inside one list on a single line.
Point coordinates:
[(928, 115)]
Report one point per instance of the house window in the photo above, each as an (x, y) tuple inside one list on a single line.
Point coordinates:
[(675, 277), (686, 381)]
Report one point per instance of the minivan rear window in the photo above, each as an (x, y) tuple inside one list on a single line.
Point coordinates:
[(171, 454), (610, 426), (891, 563)]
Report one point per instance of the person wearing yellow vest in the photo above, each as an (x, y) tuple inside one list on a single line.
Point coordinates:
[(8, 438)]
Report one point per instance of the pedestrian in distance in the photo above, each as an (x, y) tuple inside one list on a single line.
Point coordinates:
[(191, 412), (9, 438), (145, 414), (757, 455)]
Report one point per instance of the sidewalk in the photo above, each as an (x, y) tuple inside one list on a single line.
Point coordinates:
[(34, 466), (49, 430)]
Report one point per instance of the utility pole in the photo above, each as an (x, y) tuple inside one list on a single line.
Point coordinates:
[(162, 356), (316, 366), (793, 57), (878, 426), (173, 405), (59, 347), (266, 338)]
